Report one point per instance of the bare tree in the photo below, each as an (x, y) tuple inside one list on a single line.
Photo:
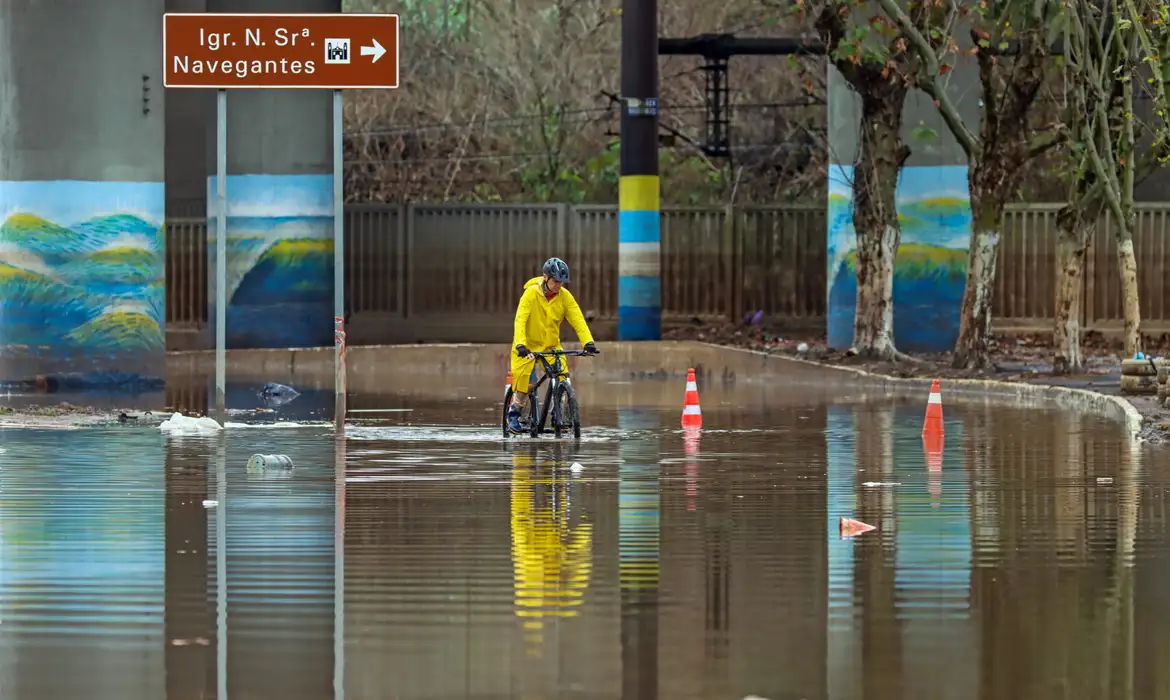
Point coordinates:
[(511, 101), (870, 54), (1003, 145)]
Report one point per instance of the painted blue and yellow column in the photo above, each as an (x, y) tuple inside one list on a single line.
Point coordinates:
[(639, 280)]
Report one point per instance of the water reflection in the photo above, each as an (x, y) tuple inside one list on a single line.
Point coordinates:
[(82, 586), (259, 616), (639, 522), (552, 542), (1024, 557)]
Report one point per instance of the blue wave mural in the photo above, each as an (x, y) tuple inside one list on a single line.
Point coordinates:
[(279, 259), (930, 270), (82, 274)]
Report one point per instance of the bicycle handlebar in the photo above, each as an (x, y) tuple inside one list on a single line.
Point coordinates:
[(563, 353)]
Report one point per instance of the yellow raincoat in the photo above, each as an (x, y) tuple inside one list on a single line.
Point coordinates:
[(538, 327)]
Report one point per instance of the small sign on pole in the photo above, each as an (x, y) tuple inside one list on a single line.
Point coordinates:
[(308, 51), (311, 51)]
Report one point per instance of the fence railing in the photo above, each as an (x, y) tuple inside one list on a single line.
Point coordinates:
[(423, 272)]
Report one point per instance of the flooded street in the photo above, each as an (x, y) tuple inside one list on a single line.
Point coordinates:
[(427, 557)]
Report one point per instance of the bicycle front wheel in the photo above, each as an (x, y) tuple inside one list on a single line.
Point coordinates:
[(570, 414), (507, 405)]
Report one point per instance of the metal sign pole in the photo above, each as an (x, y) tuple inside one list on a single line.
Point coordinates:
[(221, 257), (339, 387)]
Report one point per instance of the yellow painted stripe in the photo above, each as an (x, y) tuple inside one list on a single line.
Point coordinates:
[(638, 193)]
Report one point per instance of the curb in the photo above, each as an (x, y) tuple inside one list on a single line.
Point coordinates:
[(1068, 397)]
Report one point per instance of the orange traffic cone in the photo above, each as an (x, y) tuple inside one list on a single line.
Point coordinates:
[(853, 528), (508, 381), (692, 415), (933, 425)]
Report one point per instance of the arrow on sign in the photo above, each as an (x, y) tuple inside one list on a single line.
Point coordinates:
[(376, 51)]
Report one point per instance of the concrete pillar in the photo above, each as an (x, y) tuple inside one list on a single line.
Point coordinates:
[(81, 192), (931, 266), (280, 208), (639, 219), (188, 112)]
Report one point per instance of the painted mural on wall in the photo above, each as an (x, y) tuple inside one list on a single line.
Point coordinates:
[(279, 259), (930, 270), (82, 269)]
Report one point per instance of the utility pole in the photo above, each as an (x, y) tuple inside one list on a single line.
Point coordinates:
[(639, 230)]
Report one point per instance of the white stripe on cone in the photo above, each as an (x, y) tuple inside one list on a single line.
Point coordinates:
[(692, 386), (692, 410), (934, 398)]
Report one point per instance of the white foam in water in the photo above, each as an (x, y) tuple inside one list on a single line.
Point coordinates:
[(282, 425), (178, 424)]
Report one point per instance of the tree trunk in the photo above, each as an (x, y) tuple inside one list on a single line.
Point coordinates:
[(1075, 234), (972, 348), (1130, 297), (880, 155)]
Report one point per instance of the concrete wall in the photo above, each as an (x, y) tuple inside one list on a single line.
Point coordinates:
[(930, 272), (280, 207), (81, 190)]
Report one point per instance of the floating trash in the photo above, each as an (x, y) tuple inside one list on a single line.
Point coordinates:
[(263, 463), (274, 394), (178, 424)]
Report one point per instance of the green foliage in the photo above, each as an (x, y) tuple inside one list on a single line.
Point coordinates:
[(596, 180), (449, 18)]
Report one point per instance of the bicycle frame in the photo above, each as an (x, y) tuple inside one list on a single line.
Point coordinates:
[(554, 373)]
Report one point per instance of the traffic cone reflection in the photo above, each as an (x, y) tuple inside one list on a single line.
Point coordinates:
[(692, 416), (853, 528), (933, 425), (932, 446), (691, 449)]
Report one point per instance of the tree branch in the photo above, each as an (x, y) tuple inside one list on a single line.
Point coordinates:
[(1046, 142), (926, 80)]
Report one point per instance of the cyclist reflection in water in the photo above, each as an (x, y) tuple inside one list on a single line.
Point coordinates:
[(552, 556), (544, 305)]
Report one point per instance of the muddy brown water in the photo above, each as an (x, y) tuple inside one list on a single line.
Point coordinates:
[(427, 557)]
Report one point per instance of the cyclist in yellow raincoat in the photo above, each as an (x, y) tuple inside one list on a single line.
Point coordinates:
[(544, 305)]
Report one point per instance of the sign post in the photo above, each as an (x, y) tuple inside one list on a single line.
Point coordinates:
[(221, 257), (306, 51), (339, 389)]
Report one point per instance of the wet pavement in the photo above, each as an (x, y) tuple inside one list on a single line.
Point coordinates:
[(427, 557)]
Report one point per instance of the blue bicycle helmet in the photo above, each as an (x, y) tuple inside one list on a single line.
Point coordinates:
[(557, 269)]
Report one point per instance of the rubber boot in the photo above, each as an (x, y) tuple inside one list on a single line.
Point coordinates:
[(514, 420)]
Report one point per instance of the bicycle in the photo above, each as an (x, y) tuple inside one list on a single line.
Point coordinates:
[(561, 397)]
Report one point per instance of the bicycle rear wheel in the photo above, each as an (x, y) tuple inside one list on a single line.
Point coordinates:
[(568, 415)]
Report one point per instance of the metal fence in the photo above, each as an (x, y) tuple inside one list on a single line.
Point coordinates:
[(422, 272)]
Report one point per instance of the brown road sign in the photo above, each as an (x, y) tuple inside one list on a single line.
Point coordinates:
[(224, 51)]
